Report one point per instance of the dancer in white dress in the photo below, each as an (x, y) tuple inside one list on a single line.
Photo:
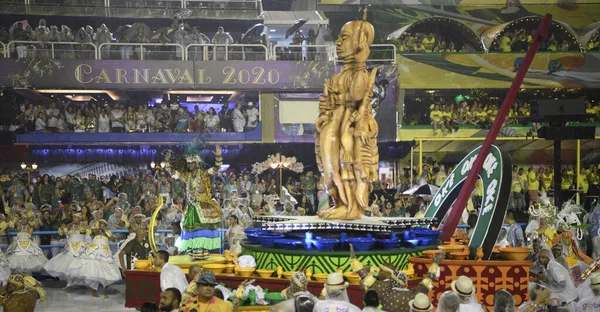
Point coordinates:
[(65, 266), (97, 266), (23, 254), (4, 269)]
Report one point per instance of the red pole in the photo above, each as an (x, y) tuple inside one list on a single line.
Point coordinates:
[(461, 201)]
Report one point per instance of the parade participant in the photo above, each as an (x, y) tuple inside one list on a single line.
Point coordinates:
[(557, 252), (203, 216), (136, 249), (539, 297), (234, 234), (336, 297), (594, 231), (66, 265), (420, 303), (171, 276), (97, 265), (449, 302), (21, 294), (504, 301), (555, 277), (170, 299), (463, 287), (23, 254), (370, 301), (391, 285), (515, 232), (117, 254), (298, 287), (593, 301), (4, 269), (199, 296)]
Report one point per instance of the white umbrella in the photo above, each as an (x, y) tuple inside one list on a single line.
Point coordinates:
[(425, 189)]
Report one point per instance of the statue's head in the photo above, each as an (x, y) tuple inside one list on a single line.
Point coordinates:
[(352, 34)]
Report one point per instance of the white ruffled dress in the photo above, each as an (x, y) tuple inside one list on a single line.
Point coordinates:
[(97, 265), (24, 255), (4, 269), (65, 266)]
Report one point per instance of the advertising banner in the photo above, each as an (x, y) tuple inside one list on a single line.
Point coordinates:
[(134, 74), (497, 70)]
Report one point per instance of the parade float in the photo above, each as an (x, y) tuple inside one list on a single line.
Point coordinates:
[(347, 156)]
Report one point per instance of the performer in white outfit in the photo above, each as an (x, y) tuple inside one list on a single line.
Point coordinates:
[(336, 296), (463, 287), (65, 266), (23, 254), (96, 265), (4, 269), (234, 234), (555, 277), (592, 301)]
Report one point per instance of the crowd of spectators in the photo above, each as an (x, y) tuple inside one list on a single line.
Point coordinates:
[(450, 113), (168, 116), (518, 40), (426, 43), (45, 41)]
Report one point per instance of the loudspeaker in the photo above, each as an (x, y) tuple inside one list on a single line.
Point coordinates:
[(7, 138), (567, 133), (552, 108)]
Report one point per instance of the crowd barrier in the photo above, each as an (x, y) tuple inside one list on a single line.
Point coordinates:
[(149, 4), (382, 53)]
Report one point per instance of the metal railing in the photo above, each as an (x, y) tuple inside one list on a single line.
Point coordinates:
[(141, 51), (54, 50), (162, 4), (294, 52), (3, 50), (226, 52)]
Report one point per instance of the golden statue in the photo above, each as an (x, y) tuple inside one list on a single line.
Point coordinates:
[(346, 138)]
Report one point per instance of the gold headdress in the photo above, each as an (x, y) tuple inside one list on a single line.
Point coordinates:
[(193, 158), (24, 282)]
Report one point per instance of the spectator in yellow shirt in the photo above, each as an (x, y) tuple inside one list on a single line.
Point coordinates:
[(448, 117), (584, 186), (481, 117), (436, 118), (516, 202), (428, 42), (547, 180), (533, 185)]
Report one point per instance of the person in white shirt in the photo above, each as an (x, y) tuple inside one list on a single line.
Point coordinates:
[(171, 276), (555, 277), (463, 287), (252, 113), (170, 299), (239, 121), (52, 117), (336, 296)]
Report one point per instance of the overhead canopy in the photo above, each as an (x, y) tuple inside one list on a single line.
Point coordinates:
[(588, 32), (565, 31), (462, 32)]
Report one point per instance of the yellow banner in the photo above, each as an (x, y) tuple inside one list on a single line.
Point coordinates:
[(497, 70)]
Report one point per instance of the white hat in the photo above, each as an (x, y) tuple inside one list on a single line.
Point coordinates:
[(463, 286), (420, 303), (335, 281), (595, 280), (250, 104)]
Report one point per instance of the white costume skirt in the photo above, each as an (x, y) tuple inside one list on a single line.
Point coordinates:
[(4, 273), (64, 266), (96, 265), (95, 272), (25, 256)]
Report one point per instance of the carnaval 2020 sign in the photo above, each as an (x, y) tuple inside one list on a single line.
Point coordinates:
[(496, 177), (133, 74)]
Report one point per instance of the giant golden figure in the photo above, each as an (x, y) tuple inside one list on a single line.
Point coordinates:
[(346, 138)]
